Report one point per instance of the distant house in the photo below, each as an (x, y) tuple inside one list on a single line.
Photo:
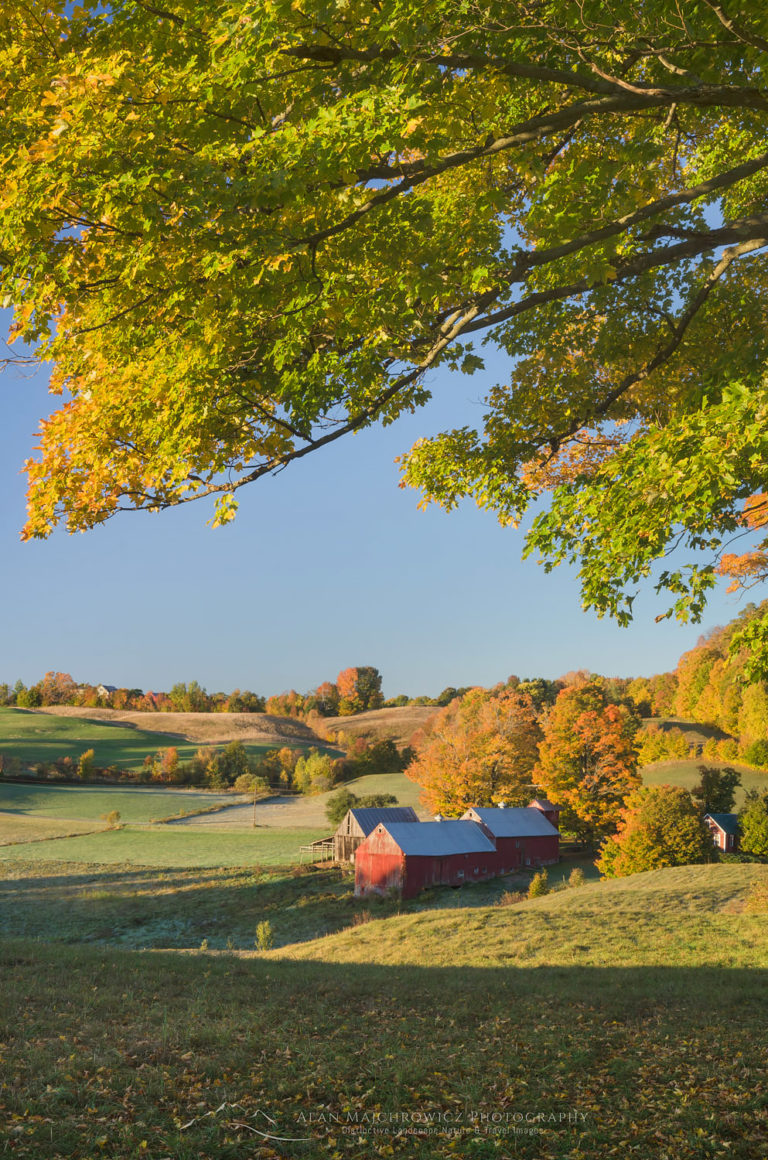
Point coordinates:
[(357, 824), (105, 690), (524, 836), (724, 829), (408, 858)]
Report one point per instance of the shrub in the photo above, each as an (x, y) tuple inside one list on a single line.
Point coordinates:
[(576, 877), (510, 897), (112, 819), (85, 766), (338, 804), (249, 783), (539, 885), (264, 936)]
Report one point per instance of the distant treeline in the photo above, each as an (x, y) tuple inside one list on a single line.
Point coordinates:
[(355, 690)]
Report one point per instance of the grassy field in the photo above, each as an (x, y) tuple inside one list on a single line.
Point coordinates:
[(398, 725), (135, 804), (624, 1018), (19, 828), (558, 1055), (406, 791), (35, 737), (673, 917), (166, 847), (686, 774), (140, 907)]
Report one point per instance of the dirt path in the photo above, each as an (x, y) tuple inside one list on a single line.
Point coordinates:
[(280, 812)]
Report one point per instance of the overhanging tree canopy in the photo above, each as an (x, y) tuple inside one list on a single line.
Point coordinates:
[(242, 230)]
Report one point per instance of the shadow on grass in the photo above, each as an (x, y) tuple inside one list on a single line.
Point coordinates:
[(202, 1055), (176, 908), (150, 908)]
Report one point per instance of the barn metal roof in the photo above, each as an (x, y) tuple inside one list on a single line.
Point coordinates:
[(728, 823), (451, 836), (518, 822), (370, 817)]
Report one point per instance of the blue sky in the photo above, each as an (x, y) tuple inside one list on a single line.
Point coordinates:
[(329, 564)]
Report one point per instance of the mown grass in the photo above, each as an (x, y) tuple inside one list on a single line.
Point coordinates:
[(166, 846), (135, 804), (686, 774), (148, 907), (677, 917), (37, 737), (19, 828), (118, 1054)]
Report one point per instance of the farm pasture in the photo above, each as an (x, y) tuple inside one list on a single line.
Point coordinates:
[(135, 804), (544, 1055), (33, 737), (165, 846)]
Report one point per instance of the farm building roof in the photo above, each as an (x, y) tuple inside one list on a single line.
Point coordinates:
[(545, 804), (519, 822), (451, 836), (370, 817), (728, 823)]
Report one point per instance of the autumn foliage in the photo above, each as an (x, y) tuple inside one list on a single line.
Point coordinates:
[(587, 759), (481, 750), (660, 826)]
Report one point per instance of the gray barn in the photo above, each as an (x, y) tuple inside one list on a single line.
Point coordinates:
[(357, 824)]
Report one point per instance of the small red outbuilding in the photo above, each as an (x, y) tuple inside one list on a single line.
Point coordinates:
[(408, 858)]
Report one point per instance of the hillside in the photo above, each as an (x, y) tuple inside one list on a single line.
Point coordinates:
[(686, 774), (694, 732), (204, 728), (685, 916), (398, 725)]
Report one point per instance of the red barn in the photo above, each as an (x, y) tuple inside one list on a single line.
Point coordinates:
[(523, 836), (409, 857)]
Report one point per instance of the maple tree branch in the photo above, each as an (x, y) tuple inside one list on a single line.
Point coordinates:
[(737, 30), (161, 12), (525, 133), (747, 230), (665, 353), (277, 463)]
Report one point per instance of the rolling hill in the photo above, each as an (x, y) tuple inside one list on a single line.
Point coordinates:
[(682, 916)]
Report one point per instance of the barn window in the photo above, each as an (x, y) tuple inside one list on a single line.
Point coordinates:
[(459, 873)]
